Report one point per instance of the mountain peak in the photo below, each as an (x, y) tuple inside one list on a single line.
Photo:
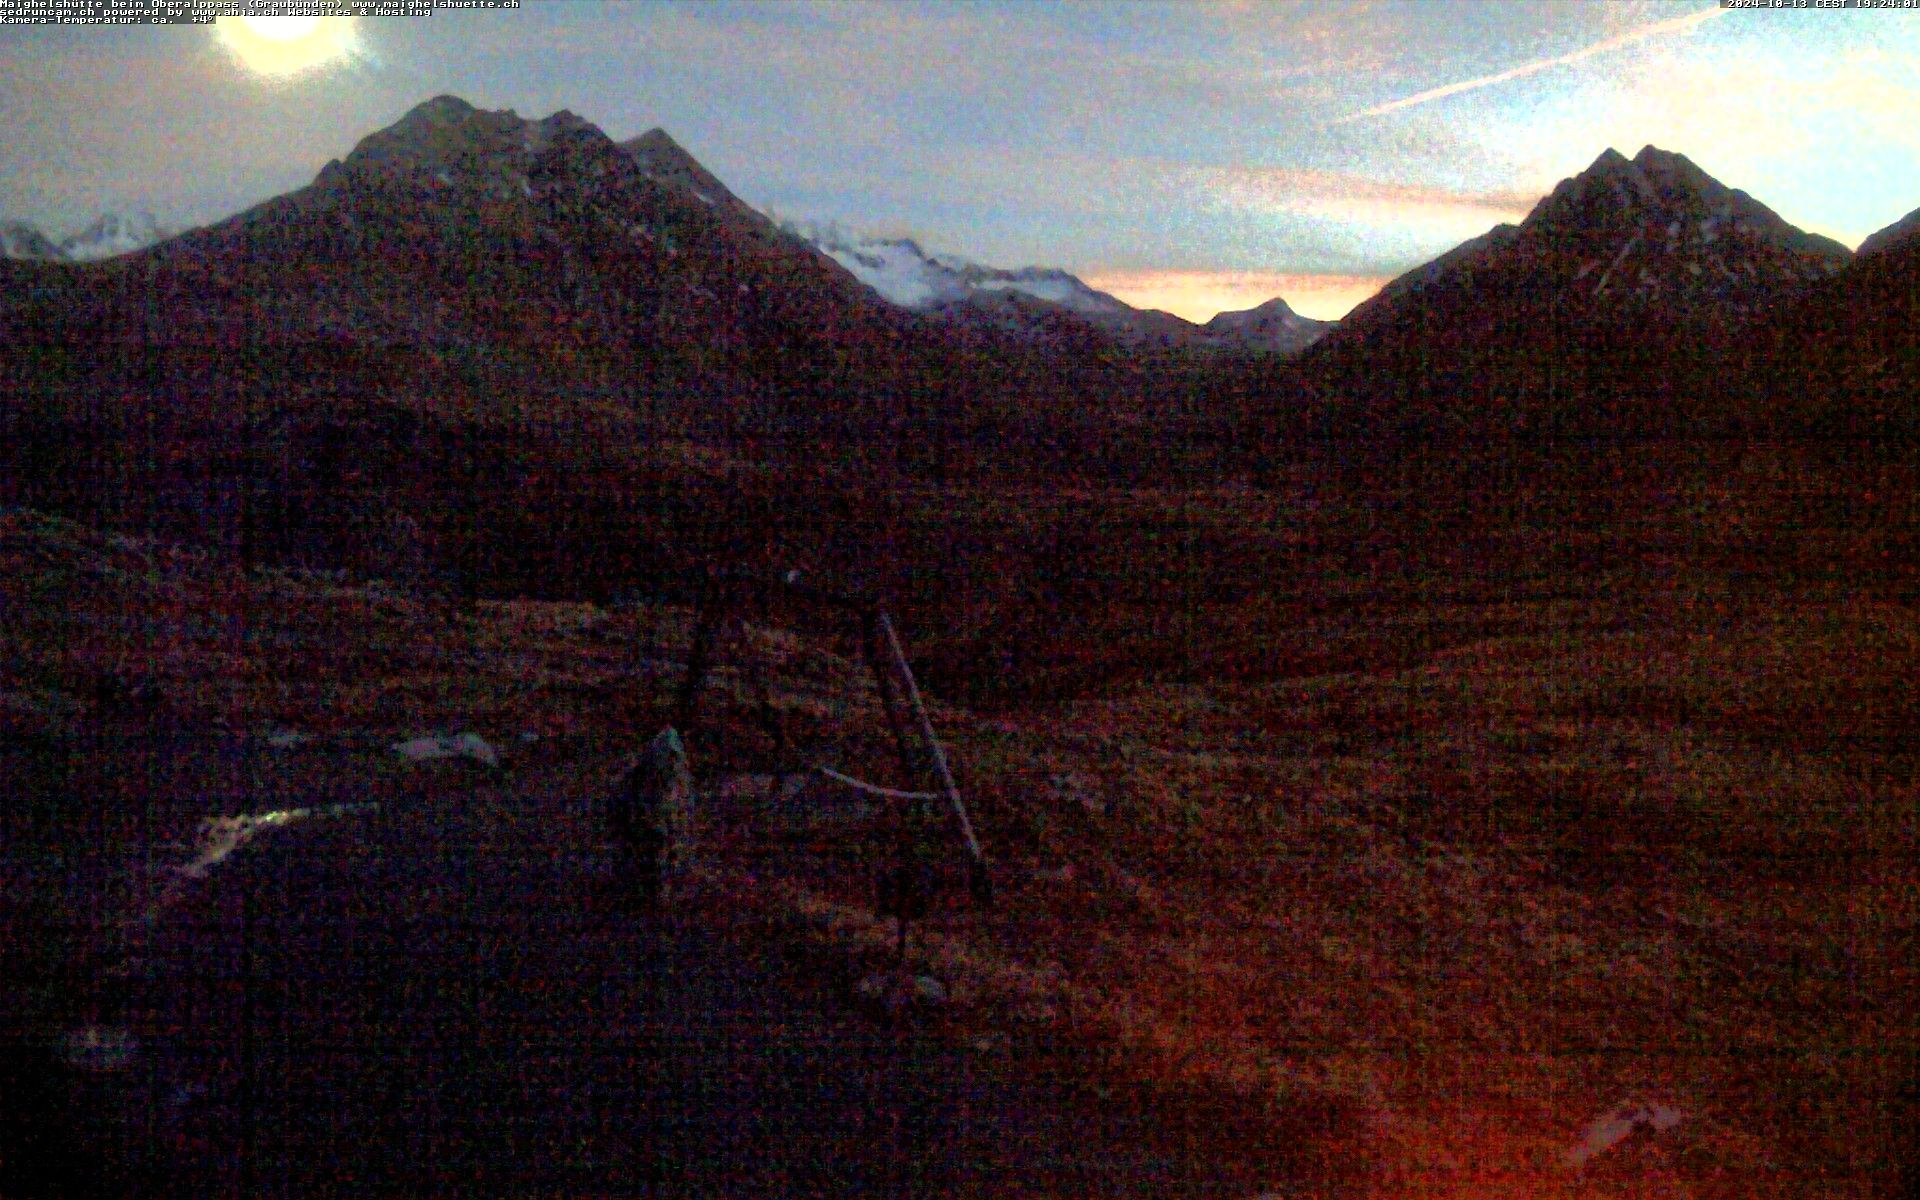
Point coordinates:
[(664, 161), (446, 103), (1611, 160), (1272, 325), (436, 134), (1651, 243), (1644, 176), (656, 141), (439, 112), (1662, 196), (1677, 175), (18, 239)]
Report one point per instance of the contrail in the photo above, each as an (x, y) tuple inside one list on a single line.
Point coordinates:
[(1657, 29)]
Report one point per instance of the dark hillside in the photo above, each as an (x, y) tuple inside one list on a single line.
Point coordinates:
[(1606, 314), (1844, 363)]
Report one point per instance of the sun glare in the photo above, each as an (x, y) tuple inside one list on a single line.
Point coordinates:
[(280, 46)]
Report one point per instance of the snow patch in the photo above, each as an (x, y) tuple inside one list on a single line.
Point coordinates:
[(1063, 290), (1611, 1128), (907, 275), (461, 745), (1601, 287), (897, 271), (99, 1048), (113, 234)]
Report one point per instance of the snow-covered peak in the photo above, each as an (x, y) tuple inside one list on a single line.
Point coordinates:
[(899, 270), (21, 240), (1049, 284), (113, 234), (906, 274)]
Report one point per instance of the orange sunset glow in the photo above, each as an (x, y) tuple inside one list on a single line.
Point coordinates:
[(1198, 296)]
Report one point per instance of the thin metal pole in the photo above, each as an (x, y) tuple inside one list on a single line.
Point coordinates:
[(935, 754), (903, 856), (889, 698)]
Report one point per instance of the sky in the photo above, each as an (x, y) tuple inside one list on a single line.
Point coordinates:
[(1195, 156)]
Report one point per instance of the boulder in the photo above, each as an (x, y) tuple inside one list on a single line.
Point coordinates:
[(650, 814)]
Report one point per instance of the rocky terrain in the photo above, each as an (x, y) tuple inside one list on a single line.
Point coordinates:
[(1474, 756)]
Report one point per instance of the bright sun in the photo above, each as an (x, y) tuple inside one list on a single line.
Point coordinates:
[(286, 45), (281, 29)]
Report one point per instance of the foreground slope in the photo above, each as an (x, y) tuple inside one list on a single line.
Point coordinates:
[(1445, 829)]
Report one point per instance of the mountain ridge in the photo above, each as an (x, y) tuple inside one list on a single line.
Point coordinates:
[(907, 275), (109, 235), (1599, 312)]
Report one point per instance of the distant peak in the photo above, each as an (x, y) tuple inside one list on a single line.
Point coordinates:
[(114, 233), (1676, 170), (656, 148), (665, 161), (655, 139), (436, 135), (1611, 158), (440, 110)]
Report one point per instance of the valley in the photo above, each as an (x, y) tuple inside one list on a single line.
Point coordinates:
[(1410, 754)]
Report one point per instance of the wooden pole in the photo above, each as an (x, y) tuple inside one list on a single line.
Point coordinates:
[(706, 622)]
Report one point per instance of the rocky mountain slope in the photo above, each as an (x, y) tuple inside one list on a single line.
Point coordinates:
[(472, 341), (18, 239), (468, 305), (1594, 313), (1271, 326), (1902, 234), (1844, 359)]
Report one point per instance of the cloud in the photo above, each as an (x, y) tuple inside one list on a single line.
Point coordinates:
[(1341, 196), (1199, 295), (1676, 25)]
